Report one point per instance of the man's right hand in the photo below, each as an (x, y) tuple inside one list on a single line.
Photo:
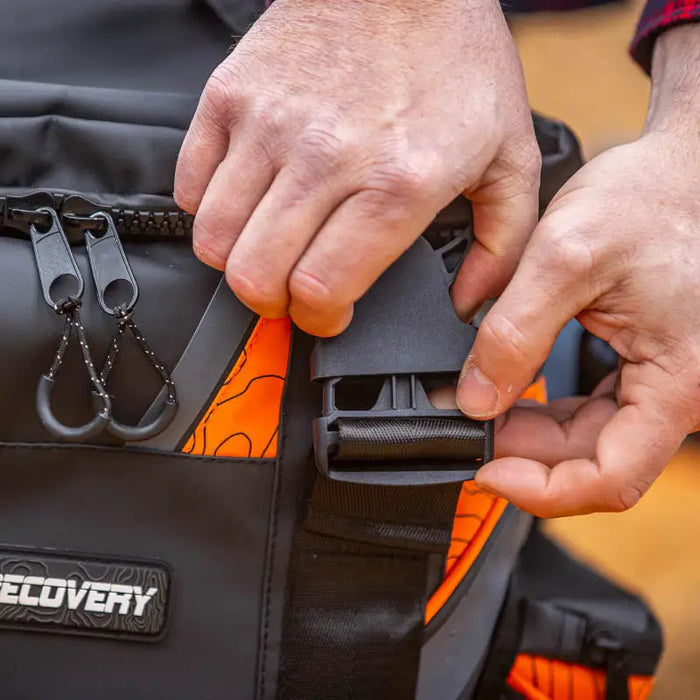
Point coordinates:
[(333, 134)]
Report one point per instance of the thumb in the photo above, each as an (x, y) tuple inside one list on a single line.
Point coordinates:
[(548, 289)]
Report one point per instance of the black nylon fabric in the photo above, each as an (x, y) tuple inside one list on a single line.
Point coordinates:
[(90, 139), (31, 332), (406, 439), (355, 624), (358, 587), (559, 609), (140, 45), (186, 512)]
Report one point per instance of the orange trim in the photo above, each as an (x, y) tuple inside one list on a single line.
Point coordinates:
[(475, 518), (470, 503), (537, 391), (243, 418), (538, 678)]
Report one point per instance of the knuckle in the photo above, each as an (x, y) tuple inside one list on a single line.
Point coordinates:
[(406, 174), (222, 95), (322, 149), (499, 331), (256, 290), (565, 252), (325, 138), (203, 232), (399, 179), (211, 240), (312, 290), (271, 116), (530, 165)]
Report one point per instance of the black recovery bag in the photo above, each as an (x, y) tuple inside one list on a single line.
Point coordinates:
[(196, 502), (566, 632)]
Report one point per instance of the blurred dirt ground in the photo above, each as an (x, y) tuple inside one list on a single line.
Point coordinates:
[(577, 69)]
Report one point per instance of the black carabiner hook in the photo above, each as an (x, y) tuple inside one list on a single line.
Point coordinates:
[(57, 267)]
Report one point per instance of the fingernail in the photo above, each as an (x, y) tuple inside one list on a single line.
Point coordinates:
[(204, 256), (477, 395)]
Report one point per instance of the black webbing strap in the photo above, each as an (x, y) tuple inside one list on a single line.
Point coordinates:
[(409, 438), (359, 582)]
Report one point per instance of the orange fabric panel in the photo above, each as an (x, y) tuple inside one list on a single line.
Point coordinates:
[(243, 419), (640, 687), (537, 391), (475, 518), (538, 678), (477, 515)]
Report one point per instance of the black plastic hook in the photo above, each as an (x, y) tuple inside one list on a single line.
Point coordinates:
[(64, 432), (137, 433)]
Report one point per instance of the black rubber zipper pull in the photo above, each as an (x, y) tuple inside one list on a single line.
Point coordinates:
[(62, 286), (58, 272), (114, 281), (117, 294)]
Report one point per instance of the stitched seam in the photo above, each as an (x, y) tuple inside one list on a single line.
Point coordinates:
[(248, 347), (273, 529), (130, 451)]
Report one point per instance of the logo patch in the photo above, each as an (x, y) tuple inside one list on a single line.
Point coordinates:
[(47, 591)]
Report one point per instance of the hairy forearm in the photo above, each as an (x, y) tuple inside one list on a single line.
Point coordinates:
[(675, 97)]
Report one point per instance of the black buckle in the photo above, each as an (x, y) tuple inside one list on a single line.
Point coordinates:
[(404, 335)]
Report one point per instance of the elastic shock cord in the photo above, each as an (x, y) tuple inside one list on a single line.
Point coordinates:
[(70, 309), (167, 413)]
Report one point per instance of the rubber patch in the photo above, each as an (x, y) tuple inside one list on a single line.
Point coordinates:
[(45, 591)]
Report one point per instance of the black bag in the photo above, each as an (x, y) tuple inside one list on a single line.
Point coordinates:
[(566, 631), (159, 568)]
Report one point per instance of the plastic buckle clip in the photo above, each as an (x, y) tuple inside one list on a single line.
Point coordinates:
[(404, 334), (402, 439)]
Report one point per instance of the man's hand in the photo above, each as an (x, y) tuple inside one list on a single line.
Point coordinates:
[(330, 138), (619, 248)]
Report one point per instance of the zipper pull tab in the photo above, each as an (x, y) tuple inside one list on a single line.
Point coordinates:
[(116, 286), (59, 275), (62, 286), (110, 267)]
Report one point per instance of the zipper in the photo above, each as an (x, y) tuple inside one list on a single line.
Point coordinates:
[(75, 215), (62, 287), (606, 650)]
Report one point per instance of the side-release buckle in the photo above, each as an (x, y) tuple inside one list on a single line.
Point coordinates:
[(404, 337)]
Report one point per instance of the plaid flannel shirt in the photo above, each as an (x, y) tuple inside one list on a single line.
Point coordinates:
[(657, 16)]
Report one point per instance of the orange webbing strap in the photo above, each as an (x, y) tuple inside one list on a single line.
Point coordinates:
[(476, 517), (538, 678), (243, 419)]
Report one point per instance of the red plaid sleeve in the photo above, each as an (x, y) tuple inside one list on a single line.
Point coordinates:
[(657, 16)]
